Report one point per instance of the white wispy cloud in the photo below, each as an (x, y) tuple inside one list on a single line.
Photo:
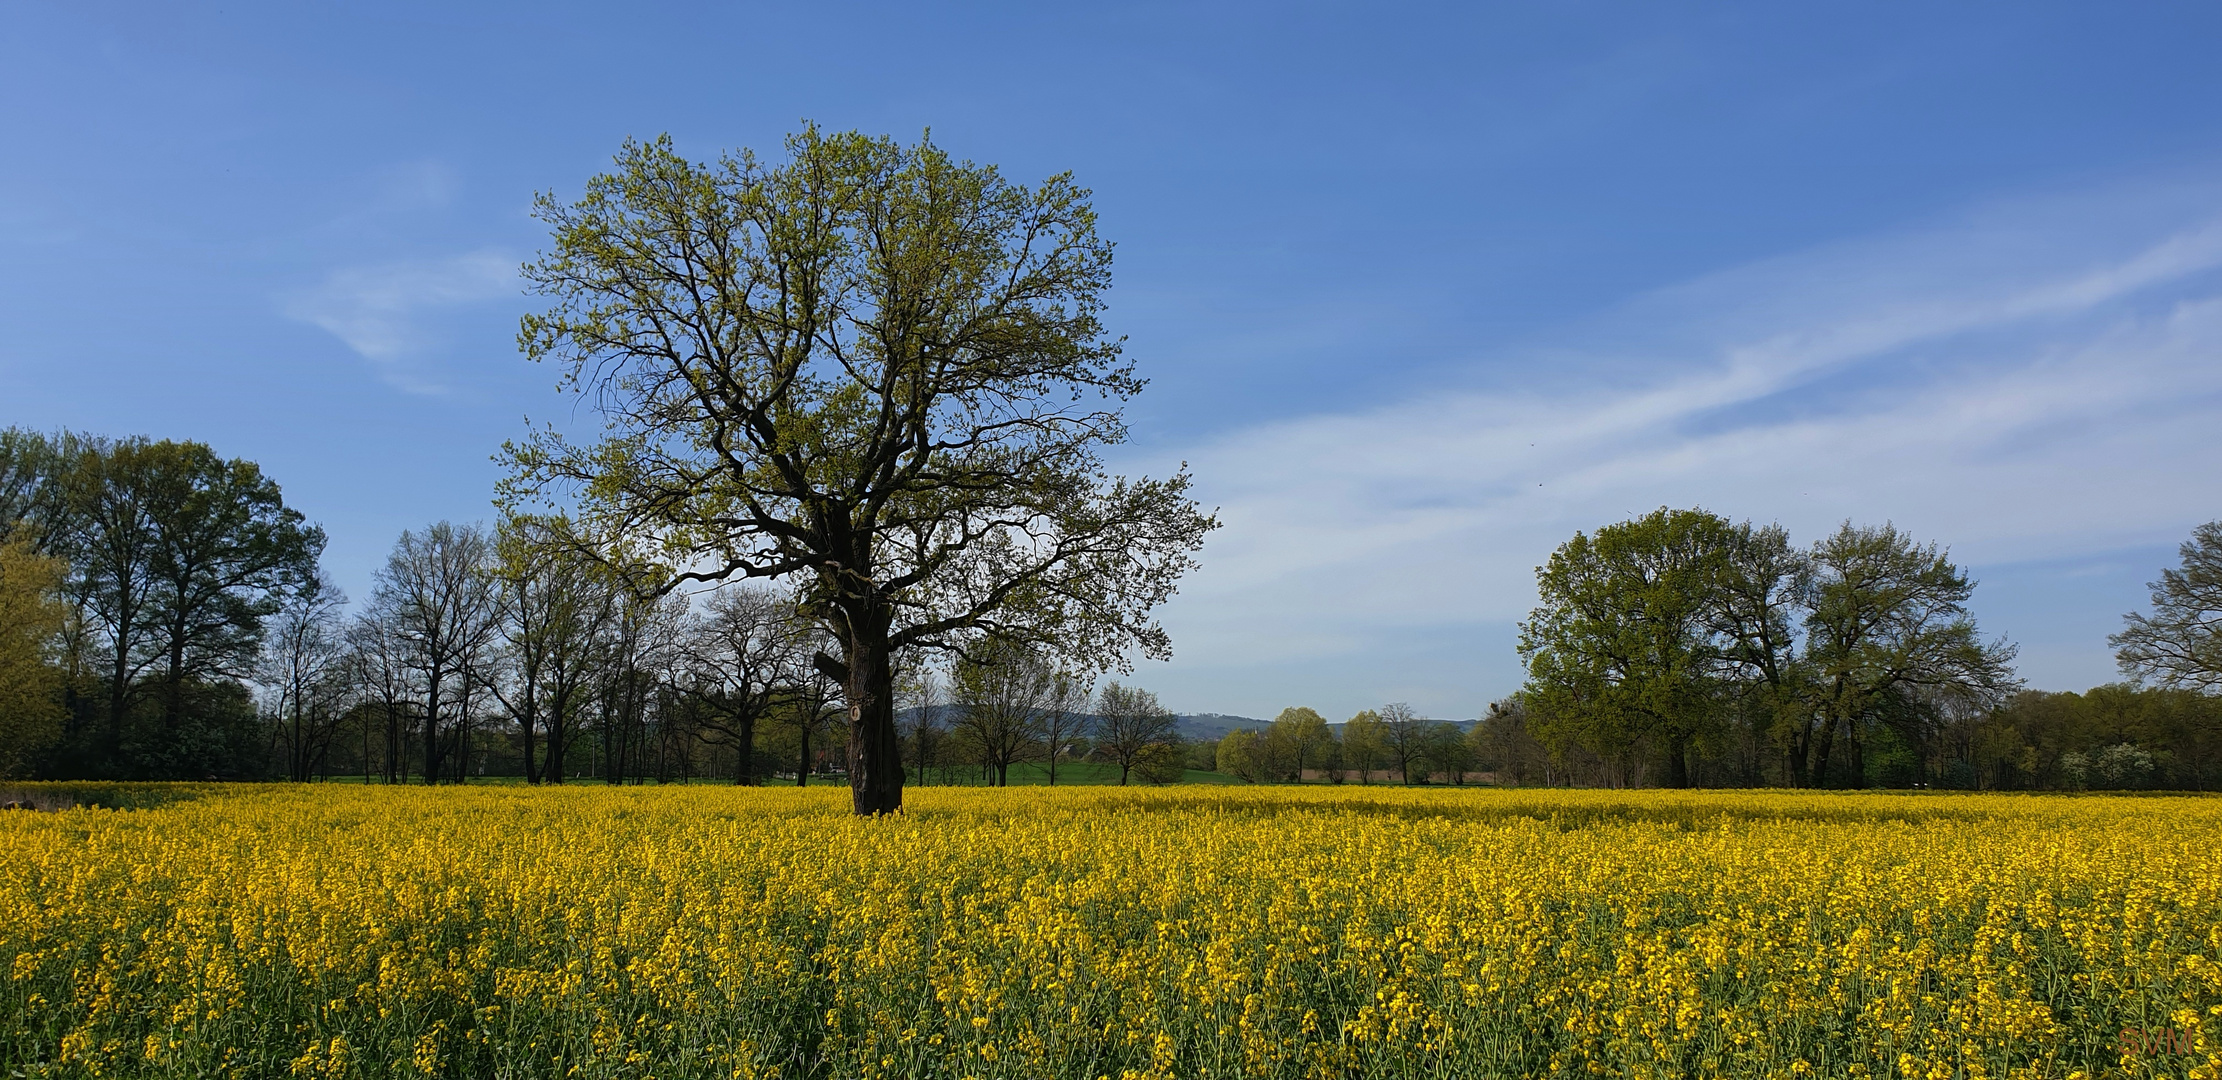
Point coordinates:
[(2009, 406), (386, 312)]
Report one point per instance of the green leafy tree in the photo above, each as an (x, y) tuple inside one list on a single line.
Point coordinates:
[(1450, 750), (177, 559), (1300, 737), (1757, 605), (1365, 744), (1886, 625), (1621, 648), (32, 617), (1242, 754), (227, 551), (31, 465), (870, 367)]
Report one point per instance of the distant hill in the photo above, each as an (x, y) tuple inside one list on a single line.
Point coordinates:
[(1211, 727), (1195, 727)]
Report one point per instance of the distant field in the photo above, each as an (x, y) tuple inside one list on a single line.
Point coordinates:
[(1101, 932), (1077, 773), (1024, 774)]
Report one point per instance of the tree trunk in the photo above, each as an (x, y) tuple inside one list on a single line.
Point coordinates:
[(528, 721), (802, 767), (1678, 762), (745, 749), (119, 699), (1858, 755), (875, 747), (173, 689), (1823, 742), (432, 728)]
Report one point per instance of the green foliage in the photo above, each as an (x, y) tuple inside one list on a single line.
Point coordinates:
[(1622, 648), (1241, 754), (1365, 744), (175, 559), (32, 618), (1679, 631), (2114, 737), (870, 368), (1298, 740)]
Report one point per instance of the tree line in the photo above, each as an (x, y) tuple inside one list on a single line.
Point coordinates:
[(138, 575), (1680, 648), (163, 616), (1393, 741)]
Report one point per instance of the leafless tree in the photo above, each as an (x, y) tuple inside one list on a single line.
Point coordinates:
[(1405, 734), (745, 651), (1005, 692), (927, 728), (644, 651), (303, 669), (1133, 731), (378, 661), (1066, 725), (439, 601), (554, 610)]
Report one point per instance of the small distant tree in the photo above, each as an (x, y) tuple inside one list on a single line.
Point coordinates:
[(1241, 755), (1300, 737), (1331, 759), (1134, 732), (1449, 750), (2180, 644), (927, 729), (1066, 725), (1405, 735), (1364, 744), (1005, 692), (804, 709), (304, 670), (1168, 765)]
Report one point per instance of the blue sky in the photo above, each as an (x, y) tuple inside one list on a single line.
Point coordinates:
[(1421, 290)]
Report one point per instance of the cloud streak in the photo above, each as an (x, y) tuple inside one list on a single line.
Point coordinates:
[(2010, 408), (387, 313)]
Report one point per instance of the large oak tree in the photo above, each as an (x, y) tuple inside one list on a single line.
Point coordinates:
[(870, 368)]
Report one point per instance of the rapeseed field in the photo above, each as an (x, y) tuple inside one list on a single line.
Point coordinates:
[(1120, 933)]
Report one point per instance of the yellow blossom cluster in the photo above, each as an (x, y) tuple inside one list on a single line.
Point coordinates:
[(332, 931)]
